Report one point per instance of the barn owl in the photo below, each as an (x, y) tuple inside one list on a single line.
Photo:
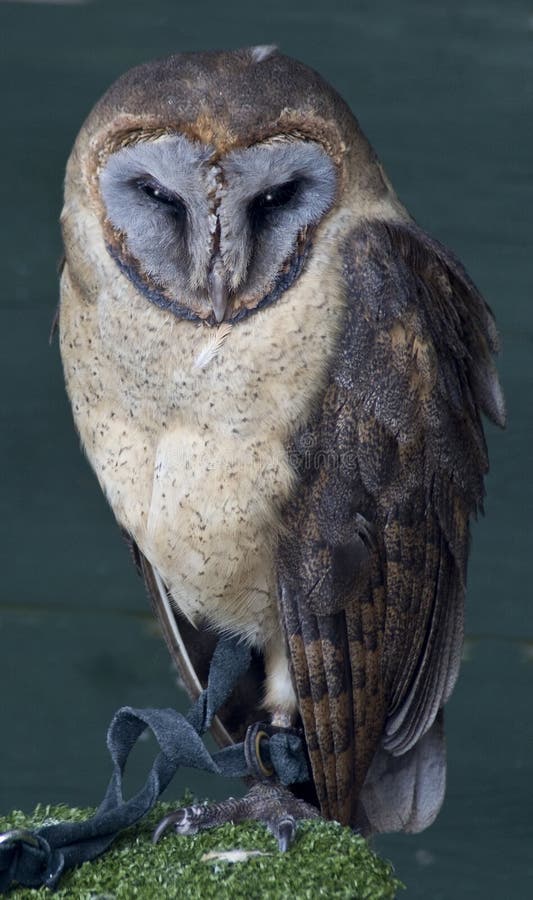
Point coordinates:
[(278, 379)]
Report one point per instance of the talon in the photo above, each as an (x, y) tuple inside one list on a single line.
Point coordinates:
[(175, 818), (286, 831)]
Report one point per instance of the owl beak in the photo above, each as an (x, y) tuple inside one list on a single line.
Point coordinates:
[(218, 292)]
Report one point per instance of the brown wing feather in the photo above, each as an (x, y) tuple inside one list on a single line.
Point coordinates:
[(372, 572)]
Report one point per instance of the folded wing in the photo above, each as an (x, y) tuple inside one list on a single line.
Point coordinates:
[(373, 561)]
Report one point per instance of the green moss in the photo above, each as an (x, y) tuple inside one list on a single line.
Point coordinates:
[(327, 860)]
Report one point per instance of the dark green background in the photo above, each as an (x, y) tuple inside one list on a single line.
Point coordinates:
[(444, 93)]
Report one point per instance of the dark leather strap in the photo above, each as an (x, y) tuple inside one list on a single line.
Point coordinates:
[(37, 858)]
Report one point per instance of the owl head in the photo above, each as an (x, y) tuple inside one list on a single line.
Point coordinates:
[(211, 175)]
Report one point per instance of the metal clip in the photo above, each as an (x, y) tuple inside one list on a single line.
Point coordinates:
[(256, 751), (257, 748)]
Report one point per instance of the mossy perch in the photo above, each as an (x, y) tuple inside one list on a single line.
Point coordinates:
[(327, 860)]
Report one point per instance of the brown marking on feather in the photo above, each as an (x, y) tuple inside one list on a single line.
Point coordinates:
[(368, 710), (340, 711), (424, 356), (408, 348), (308, 714), (398, 336), (322, 714), (214, 131)]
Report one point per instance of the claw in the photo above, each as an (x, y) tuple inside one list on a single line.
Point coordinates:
[(184, 821), (162, 826), (286, 830), (175, 819)]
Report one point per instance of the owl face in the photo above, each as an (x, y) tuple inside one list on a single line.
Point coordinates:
[(209, 235)]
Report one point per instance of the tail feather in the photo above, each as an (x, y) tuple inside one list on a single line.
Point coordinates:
[(405, 793)]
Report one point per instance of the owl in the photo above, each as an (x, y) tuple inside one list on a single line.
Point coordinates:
[(278, 379)]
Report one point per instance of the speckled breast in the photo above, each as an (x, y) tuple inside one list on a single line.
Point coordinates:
[(186, 428)]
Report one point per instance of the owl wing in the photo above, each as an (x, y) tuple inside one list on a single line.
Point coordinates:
[(373, 560)]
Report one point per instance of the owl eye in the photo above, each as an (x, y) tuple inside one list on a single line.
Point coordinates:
[(273, 198), (157, 192)]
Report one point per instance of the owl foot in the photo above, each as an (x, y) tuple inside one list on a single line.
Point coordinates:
[(271, 804)]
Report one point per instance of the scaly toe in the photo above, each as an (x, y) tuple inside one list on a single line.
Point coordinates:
[(285, 832), (269, 803)]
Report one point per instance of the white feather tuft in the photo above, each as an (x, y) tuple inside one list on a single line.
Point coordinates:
[(213, 345), (232, 856), (262, 52)]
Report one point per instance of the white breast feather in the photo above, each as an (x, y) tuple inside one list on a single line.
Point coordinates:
[(212, 346)]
